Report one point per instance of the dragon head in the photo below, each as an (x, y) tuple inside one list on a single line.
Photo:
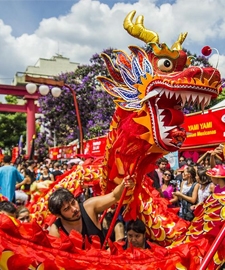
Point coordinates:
[(159, 81)]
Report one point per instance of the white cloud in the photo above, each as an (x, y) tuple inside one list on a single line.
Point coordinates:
[(219, 62), (91, 26)]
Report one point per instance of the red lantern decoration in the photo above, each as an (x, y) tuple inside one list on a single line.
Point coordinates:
[(206, 51)]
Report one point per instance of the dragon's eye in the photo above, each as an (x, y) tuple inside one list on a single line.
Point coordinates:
[(164, 64)]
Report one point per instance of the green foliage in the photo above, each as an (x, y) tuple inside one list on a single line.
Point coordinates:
[(11, 99), (221, 95), (12, 125)]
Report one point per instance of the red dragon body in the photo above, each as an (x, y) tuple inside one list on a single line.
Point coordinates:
[(150, 87)]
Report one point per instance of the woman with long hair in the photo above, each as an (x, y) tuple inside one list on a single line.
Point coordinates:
[(188, 194), (206, 187), (169, 186)]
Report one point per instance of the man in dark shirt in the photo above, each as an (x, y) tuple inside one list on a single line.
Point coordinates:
[(156, 175), (83, 217)]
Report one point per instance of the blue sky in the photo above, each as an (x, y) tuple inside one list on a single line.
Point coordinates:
[(33, 29), (24, 16), (17, 13)]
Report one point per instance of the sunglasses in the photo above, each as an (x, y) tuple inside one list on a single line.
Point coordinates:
[(167, 174)]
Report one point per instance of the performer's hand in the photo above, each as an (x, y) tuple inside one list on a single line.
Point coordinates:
[(129, 181)]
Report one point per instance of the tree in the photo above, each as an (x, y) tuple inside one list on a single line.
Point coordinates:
[(11, 99), (12, 125), (96, 107)]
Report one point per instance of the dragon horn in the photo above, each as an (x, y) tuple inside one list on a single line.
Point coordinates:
[(177, 45), (138, 30)]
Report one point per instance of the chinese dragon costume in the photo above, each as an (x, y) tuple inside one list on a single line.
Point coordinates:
[(150, 85)]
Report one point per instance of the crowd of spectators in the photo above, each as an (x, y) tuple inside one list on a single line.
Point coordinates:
[(184, 188)]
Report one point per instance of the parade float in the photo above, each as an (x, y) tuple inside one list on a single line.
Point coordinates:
[(150, 85)]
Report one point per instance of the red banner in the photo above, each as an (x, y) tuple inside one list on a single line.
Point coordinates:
[(205, 129), (95, 147), (15, 154), (60, 152)]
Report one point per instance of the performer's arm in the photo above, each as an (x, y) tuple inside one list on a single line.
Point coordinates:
[(101, 203)]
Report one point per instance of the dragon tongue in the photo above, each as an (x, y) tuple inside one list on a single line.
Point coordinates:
[(173, 117)]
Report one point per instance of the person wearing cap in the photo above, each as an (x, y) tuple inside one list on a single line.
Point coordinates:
[(217, 175), (179, 175)]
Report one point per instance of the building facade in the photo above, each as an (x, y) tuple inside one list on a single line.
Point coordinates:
[(46, 68)]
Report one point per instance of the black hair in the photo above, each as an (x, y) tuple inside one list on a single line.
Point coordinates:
[(7, 159), (192, 171), (162, 159), (30, 162), (171, 172), (204, 178), (182, 163), (57, 199), (7, 207), (190, 162), (136, 225)]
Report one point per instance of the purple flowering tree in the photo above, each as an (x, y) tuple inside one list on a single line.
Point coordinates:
[(96, 107)]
